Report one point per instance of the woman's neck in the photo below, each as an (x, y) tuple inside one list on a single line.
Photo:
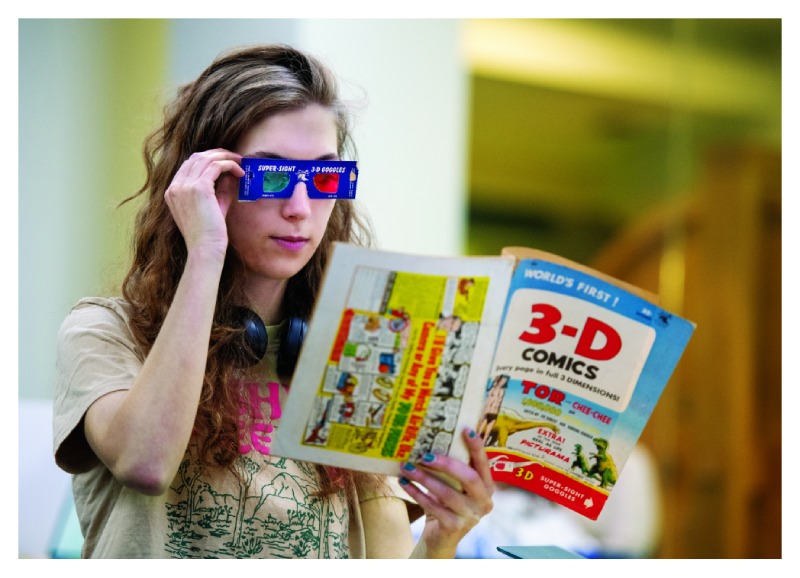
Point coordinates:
[(266, 298)]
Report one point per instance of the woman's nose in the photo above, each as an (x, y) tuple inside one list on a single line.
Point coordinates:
[(298, 206)]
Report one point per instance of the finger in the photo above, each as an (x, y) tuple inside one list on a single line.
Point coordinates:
[(219, 167), (434, 476), (434, 504), (478, 458), (196, 166), (465, 477), (206, 180), (193, 166), (473, 490), (194, 171), (441, 494)]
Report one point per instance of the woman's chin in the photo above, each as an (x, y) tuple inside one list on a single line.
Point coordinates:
[(281, 271)]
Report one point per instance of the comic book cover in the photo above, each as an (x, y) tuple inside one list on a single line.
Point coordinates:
[(580, 364), (395, 358), (557, 367)]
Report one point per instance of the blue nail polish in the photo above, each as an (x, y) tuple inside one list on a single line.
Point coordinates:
[(409, 467), (472, 433), (429, 457), (404, 481)]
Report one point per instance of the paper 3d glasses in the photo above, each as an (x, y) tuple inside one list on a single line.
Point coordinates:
[(277, 179)]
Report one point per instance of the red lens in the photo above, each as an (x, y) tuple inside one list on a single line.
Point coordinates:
[(326, 182)]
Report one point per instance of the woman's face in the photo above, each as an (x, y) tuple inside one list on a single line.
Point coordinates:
[(275, 238)]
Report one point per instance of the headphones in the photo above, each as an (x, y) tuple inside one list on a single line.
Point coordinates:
[(255, 340)]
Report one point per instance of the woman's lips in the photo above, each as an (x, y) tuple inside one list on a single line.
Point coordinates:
[(291, 243)]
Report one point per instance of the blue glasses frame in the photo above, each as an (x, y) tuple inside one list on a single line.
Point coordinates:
[(277, 178)]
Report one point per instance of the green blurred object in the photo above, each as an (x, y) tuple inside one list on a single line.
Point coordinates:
[(67, 540), (541, 552)]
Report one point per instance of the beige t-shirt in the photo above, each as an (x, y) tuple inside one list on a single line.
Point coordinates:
[(262, 506)]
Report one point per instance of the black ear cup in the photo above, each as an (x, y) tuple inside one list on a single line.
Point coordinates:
[(291, 342), (255, 340)]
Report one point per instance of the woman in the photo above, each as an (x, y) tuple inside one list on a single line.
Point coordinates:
[(155, 406)]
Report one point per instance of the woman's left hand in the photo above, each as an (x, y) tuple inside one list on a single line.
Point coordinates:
[(450, 513)]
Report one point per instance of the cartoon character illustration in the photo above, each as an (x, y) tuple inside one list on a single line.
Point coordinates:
[(387, 363), (581, 462), (464, 285), (318, 433), (449, 323), (346, 412), (372, 324), (505, 425), (604, 468), (461, 339), (347, 384), (491, 407), (450, 380), (363, 352), (363, 441), (400, 320), (360, 352), (375, 415)]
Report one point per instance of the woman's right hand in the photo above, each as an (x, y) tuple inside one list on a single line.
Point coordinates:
[(199, 197)]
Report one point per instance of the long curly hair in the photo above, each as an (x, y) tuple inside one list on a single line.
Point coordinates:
[(238, 90)]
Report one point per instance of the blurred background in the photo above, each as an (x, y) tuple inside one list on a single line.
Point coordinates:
[(647, 148)]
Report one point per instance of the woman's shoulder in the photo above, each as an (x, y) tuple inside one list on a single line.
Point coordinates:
[(99, 316), (97, 309)]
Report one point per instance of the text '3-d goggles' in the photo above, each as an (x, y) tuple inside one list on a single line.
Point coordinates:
[(277, 178)]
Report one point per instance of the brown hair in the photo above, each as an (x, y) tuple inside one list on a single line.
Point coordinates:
[(238, 90)]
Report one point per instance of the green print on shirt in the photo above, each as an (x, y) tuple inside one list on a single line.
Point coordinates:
[(272, 515)]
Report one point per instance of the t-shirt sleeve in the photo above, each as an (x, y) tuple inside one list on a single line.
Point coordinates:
[(389, 487), (397, 491), (95, 355)]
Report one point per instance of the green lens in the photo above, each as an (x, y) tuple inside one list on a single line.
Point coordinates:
[(275, 182)]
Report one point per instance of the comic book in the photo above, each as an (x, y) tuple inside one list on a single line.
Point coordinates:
[(556, 366)]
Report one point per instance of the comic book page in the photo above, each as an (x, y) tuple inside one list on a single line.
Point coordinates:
[(395, 358), (579, 367)]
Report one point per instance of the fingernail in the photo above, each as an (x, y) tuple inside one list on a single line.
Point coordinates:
[(472, 433), (428, 458), (404, 481), (409, 467)]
